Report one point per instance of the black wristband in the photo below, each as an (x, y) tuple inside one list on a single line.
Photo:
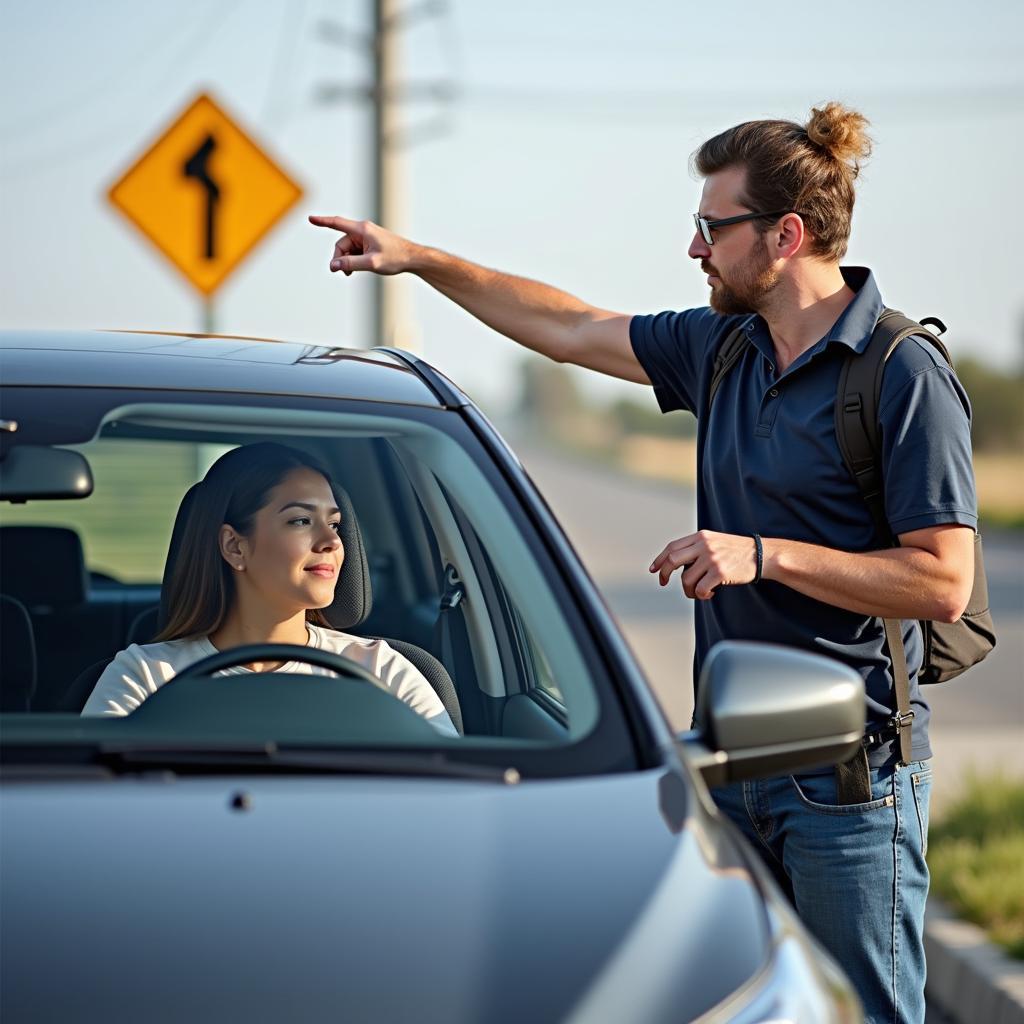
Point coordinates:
[(759, 548)]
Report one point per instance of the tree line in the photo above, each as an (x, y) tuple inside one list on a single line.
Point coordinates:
[(550, 397)]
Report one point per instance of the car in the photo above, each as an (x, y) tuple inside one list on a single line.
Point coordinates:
[(265, 846)]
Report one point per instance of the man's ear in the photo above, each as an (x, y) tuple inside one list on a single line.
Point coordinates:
[(789, 235), (232, 547)]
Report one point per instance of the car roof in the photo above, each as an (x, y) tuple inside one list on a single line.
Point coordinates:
[(221, 363)]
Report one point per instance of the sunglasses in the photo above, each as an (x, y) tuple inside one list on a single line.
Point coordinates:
[(705, 226)]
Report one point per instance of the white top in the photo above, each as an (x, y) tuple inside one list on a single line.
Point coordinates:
[(141, 670)]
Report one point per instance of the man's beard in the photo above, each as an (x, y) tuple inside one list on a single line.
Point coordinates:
[(746, 293)]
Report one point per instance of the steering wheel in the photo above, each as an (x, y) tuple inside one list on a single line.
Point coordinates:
[(206, 667), (252, 707)]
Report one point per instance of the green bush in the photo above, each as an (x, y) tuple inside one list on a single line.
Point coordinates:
[(976, 857)]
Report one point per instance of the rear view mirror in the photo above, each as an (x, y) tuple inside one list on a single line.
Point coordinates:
[(34, 472), (765, 710)]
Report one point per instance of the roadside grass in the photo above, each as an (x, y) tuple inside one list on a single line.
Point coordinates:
[(1000, 480), (976, 857)]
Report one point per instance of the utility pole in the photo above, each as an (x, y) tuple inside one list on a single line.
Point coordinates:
[(389, 309), (390, 316), (385, 156)]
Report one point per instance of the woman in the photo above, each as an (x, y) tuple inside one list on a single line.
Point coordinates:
[(260, 556)]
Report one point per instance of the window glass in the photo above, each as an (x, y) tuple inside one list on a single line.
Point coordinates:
[(433, 503), (543, 674), (126, 522)]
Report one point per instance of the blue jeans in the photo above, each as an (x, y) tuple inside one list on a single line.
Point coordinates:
[(855, 873)]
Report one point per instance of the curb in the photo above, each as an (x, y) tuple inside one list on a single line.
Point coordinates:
[(969, 978)]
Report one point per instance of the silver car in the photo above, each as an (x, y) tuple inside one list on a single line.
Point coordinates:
[(304, 847)]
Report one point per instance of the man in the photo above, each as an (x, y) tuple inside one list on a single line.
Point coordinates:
[(786, 551)]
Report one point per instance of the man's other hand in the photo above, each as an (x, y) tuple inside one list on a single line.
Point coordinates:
[(366, 246), (711, 560)]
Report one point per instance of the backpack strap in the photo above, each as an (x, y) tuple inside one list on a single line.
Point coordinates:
[(856, 411), (726, 358), (860, 442)]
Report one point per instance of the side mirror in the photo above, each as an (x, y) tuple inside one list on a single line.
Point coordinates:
[(765, 710), (36, 472)]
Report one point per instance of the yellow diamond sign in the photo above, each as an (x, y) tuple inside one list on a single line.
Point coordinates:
[(204, 194)]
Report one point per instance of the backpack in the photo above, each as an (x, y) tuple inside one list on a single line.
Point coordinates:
[(949, 648)]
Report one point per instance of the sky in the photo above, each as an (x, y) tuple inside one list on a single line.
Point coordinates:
[(563, 156)]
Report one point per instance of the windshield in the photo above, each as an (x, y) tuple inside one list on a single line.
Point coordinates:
[(438, 590)]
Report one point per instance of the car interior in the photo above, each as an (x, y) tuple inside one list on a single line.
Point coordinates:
[(438, 562)]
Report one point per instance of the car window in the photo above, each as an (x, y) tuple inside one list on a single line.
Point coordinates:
[(527, 663), (543, 675), (124, 525), (456, 568)]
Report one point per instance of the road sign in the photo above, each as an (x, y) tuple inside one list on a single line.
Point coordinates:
[(204, 194)]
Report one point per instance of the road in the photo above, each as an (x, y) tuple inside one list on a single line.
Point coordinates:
[(618, 523)]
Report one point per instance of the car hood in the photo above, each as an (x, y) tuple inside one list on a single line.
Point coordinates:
[(354, 898)]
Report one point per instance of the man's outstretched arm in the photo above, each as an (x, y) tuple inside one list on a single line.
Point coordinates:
[(541, 318)]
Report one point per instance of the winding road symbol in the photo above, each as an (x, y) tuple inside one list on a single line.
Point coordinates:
[(204, 194), (196, 167)]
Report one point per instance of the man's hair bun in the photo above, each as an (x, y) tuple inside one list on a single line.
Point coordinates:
[(789, 166), (840, 131)]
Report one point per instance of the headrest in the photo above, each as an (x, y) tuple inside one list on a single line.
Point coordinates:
[(353, 598), (43, 566)]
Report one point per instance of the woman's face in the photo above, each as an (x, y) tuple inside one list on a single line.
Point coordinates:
[(292, 555)]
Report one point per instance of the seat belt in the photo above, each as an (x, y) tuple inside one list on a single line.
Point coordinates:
[(453, 593)]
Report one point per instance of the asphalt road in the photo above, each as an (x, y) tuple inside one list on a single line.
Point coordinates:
[(618, 523)]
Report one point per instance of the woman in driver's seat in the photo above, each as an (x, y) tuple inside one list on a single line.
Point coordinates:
[(259, 557)]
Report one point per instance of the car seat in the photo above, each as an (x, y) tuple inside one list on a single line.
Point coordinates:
[(353, 600), (43, 567), (17, 656)]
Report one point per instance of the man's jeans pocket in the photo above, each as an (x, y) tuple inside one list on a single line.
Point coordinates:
[(921, 783), (818, 793)]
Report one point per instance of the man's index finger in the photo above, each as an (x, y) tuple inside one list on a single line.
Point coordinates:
[(335, 223)]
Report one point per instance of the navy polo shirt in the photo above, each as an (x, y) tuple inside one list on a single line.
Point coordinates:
[(769, 463)]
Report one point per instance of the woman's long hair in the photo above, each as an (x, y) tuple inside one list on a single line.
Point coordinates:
[(201, 589)]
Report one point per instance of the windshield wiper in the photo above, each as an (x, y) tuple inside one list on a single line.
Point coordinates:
[(269, 757)]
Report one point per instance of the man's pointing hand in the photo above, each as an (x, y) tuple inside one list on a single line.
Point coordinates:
[(365, 246)]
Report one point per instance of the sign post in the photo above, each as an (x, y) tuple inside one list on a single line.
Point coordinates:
[(205, 194)]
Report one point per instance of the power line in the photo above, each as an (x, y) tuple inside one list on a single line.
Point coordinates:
[(78, 149), (978, 101), (43, 120), (277, 89)]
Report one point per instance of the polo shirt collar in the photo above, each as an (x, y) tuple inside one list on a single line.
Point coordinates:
[(857, 321)]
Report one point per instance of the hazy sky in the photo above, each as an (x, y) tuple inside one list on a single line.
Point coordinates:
[(564, 157)]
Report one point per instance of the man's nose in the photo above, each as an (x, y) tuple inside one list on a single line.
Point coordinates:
[(699, 249)]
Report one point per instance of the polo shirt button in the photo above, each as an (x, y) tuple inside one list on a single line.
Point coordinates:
[(774, 392), (771, 369)]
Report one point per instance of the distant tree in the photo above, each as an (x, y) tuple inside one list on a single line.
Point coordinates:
[(1020, 346), (547, 391), (997, 403), (635, 417)]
